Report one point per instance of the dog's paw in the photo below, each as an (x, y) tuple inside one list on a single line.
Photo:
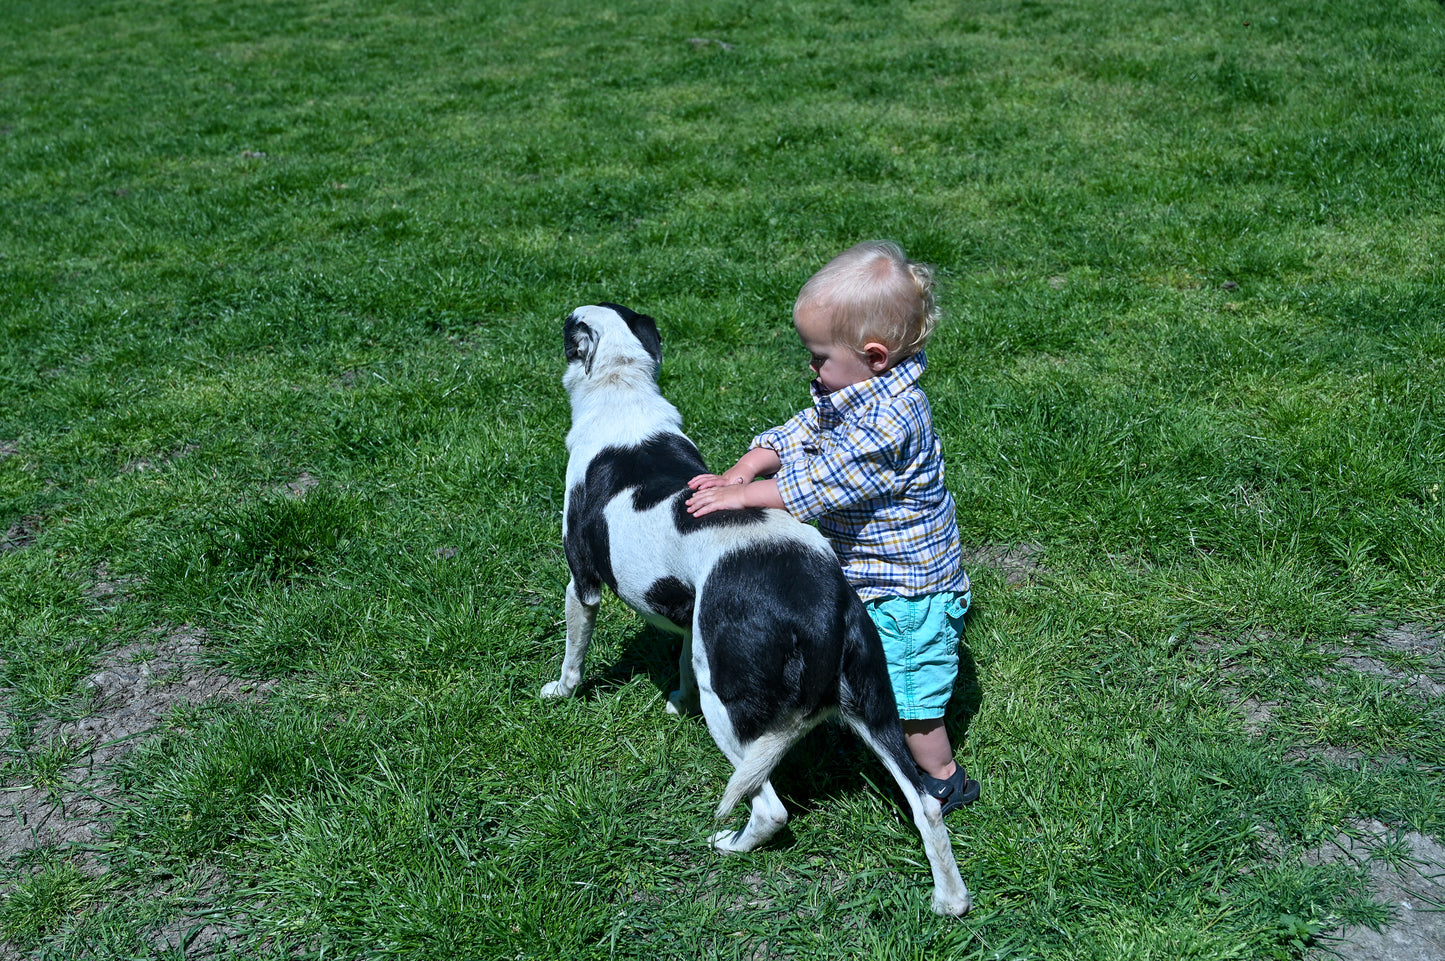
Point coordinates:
[(952, 907), (682, 705), (726, 842), (556, 689)]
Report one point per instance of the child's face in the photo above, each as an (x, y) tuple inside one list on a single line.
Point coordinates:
[(834, 365)]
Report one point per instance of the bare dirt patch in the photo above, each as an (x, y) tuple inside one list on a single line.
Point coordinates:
[(1420, 639), (1407, 872), (109, 589), (1417, 683), (1410, 655), (1406, 868), (143, 464), (20, 534), (194, 935), (1019, 563), (139, 684), (1257, 715), (301, 485), (132, 693)]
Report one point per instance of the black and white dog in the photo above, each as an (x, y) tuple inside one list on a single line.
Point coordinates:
[(774, 639)]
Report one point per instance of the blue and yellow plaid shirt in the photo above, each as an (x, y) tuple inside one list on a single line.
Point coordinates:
[(865, 463)]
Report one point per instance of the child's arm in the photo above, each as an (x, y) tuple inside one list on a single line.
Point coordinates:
[(755, 463), (731, 497), (736, 488)]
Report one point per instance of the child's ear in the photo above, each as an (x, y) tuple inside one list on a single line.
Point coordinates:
[(877, 355)]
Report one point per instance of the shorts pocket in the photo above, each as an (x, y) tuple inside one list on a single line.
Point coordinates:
[(957, 608), (884, 619)]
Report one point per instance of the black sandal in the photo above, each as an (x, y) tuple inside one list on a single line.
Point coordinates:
[(952, 792)]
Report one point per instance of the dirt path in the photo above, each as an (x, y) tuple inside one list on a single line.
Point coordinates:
[(1412, 884)]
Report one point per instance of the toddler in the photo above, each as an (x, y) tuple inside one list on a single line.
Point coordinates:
[(864, 463)]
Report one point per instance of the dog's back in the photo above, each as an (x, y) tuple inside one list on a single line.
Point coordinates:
[(627, 527)]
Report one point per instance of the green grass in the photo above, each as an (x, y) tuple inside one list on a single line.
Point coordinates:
[(1193, 356)]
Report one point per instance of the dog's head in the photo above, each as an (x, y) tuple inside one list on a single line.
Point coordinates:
[(609, 338)]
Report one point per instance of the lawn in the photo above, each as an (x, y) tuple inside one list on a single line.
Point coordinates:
[(281, 462)]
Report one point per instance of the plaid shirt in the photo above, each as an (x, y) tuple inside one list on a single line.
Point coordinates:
[(865, 462)]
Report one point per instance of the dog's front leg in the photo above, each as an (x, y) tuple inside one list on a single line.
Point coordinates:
[(685, 700), (581, 618)]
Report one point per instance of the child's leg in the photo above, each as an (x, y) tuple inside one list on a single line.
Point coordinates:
[(928, 743), (942, 777), (920, 642)]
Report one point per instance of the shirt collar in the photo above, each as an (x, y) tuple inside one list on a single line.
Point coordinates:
[(892, 382)]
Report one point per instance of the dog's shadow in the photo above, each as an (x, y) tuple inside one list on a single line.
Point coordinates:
[(830, 761), (646, 652)]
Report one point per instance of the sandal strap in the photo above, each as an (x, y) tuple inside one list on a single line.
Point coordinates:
[(952, 792)]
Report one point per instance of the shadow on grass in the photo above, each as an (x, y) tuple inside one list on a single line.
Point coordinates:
[(828, 762), (647, 652), (967, 700)]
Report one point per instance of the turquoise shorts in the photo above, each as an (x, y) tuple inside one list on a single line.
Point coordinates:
[(920, 640)]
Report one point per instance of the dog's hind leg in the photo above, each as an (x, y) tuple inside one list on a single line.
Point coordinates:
[(750, 779), (950, 895), (867, 705), (752, 762), (767, 819), (581, 619)]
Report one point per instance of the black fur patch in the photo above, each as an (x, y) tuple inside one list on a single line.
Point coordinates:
[(865, 690), (643, 327), (672, 599), (655, 470), (578, 342), (587, 545), (687, 524), (776, 619)]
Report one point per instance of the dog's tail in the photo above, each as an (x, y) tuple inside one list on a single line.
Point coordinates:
[(865, 695), (757, 764)]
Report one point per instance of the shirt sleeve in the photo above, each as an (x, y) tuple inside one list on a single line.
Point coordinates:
[(788, 440), (859, 463)]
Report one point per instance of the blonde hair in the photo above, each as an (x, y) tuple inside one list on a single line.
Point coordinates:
[(873, 292)]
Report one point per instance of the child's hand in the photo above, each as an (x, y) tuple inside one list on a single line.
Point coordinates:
[(723, 494), (703, 482), (717, 497)]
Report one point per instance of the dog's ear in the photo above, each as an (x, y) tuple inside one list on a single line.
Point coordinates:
[(579, 342), (644, 328)]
